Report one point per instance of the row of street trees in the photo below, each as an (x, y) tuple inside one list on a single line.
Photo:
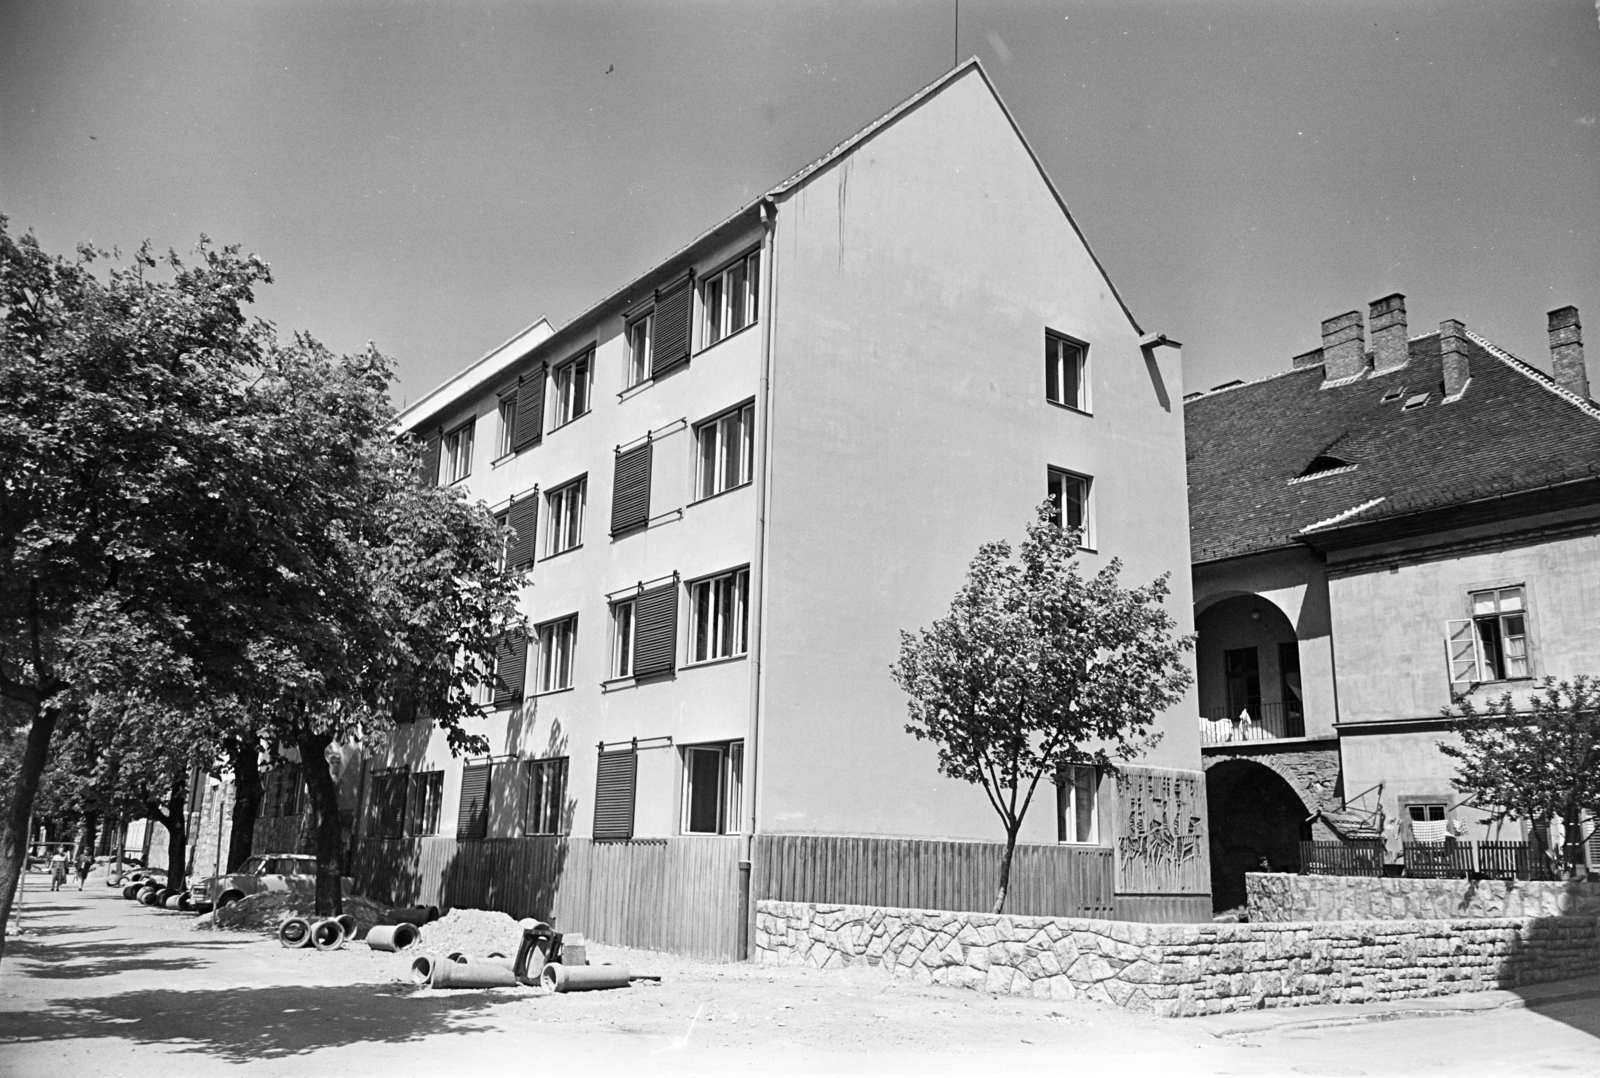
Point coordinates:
[(212, 546)]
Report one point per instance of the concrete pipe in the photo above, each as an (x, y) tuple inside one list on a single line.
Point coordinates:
[(131, 891), (493, 958), (172, 901), (147, 897), (186, 902), (392, 937), (472, 975), (562, 978), (422, 968), (348, 923), (295, 932), (458, 956), (412, 915), (327, 935)]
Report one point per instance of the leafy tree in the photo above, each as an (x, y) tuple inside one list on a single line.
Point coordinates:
[(1538, 764), (1036, 668)]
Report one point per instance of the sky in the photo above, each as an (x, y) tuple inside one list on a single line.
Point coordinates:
[(433, 177)]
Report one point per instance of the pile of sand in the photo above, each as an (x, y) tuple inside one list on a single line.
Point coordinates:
[(476, 932), (266, 911)]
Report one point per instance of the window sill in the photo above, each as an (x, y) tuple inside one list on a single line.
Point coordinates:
[(1069, 407), (708, 834), (567, 423), (635, 389), (720, 493), (1078, 845), (741, 331), (558, 553), (458, 482), (502, 458), (717, 662), (551, 692)]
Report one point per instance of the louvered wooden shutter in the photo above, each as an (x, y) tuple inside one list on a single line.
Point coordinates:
[(672, 329), (655, 630), (1461, 648), (630, 489), (530, 410), (613, 794), (392, 804), (523, 518), (473, 819), (511, 655), (430, 459)]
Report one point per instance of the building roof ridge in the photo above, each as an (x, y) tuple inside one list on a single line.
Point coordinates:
[(1535, 375), (1218, 390), (1340, 518)]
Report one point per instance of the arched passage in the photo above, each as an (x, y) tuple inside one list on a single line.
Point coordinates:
[(1257, 824), (1248, 661)]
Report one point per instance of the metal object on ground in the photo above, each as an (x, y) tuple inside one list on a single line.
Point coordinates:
[(563, 978), (472, 975), (327, 935), (392, 937), (295, 932), (533, 954), (348, 923)]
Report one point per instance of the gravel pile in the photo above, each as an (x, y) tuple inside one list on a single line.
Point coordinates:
[(476, 932), (265, 912)]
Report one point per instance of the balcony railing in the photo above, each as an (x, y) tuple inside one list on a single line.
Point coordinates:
[(1264, 722)]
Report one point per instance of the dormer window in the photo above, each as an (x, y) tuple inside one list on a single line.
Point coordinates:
[(1323, 465), (1394, 394), (1415, 401)]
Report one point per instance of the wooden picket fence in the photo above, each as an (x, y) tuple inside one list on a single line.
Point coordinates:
[(1361, 857)]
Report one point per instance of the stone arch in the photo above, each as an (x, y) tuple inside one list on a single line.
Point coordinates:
[(1257, 822)]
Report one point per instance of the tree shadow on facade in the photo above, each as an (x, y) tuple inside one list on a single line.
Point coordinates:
[(1257, 824), (1544, 961), (242, 1025)]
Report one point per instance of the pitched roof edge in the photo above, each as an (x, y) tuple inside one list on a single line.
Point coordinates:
[(1340, 518), (469, 378), (1535, 375), (1204, 393)]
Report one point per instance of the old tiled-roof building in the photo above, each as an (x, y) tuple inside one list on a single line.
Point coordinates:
[(1373, 530)]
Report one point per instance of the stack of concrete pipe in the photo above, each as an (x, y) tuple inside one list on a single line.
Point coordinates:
[(323, 934), (544, 959)]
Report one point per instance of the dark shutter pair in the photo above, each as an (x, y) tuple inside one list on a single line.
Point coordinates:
[(655, 630), (511, 660), (472, 823), (390, 793), (613, 794), (529, 427), (672, 329), (523, 518), (630, 489), (430, 459)]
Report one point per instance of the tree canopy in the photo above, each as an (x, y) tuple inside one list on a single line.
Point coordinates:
[(1036, 668)]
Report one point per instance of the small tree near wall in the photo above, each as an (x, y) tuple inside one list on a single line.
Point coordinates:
[(1036, 668), (1539, 764)]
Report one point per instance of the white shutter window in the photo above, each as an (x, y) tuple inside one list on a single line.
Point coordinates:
[(1461, 647)]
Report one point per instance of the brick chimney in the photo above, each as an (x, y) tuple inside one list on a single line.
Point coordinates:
[(1344, 350), (1453, 354), (1386, 320), (1566, 351)]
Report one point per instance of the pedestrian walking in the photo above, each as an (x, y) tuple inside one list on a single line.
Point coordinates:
[(85, 865), (58, 870)]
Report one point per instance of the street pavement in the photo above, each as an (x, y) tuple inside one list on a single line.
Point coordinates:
[(99, 986)]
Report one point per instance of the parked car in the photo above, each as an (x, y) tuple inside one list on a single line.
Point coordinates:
[(266, 872)]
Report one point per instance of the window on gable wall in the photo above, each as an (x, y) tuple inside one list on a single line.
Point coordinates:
[(1064, 372), (1491, 645), (729, 299), (1069, 498)]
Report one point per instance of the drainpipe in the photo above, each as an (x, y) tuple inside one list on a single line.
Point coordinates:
[(758, 575)]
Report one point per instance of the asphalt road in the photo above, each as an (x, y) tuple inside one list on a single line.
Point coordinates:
[(99, 986)]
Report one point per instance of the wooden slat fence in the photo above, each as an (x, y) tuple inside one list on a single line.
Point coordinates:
[(1360, 857), (1439, 860), (679, 894), (1046, 881)]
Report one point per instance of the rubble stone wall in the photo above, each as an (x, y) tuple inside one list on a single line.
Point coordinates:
[(1182, 969), (1278, 896)]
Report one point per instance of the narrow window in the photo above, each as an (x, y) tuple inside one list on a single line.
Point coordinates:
[(1077, 805), (502, 524), (508, 424), (1069, 497), (726, 450), (547, 797), (556, 644), (572, 388), (458, 453), (1064, 372), (720, 615), (565, 515), (713, 787), (639, 350), (622, 639), (1500, 619)]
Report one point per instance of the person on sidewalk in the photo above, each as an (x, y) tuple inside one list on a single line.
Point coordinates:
[(58, 870), (85, 866)]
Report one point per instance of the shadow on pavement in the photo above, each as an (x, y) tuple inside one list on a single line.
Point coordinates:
[(244, 1024)]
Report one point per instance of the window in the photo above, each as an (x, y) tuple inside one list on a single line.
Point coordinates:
[(572, 388), (510, 663), (630, 487), (547, 797), (427, 798), (1078, 805), (1491, 645), (1064, 381), (472, 821), (613, 793), (713, 788), (729, 299), (1294, 708), (1069, 495), (639, 350), (556, 643), (720, 614), (508, 425), (522, 518), (622, 639), (458, 453), (389, 802), (1427, 821), (725, 451), (502, 524), (1243, 669), (565, 529)]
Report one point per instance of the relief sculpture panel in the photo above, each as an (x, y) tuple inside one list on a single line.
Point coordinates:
[(1161, 832)]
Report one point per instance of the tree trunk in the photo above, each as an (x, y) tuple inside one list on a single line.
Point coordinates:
[(1572, 839), (177, 835), (1005, 870), (14, 838), (246, 762), (325, 805)]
